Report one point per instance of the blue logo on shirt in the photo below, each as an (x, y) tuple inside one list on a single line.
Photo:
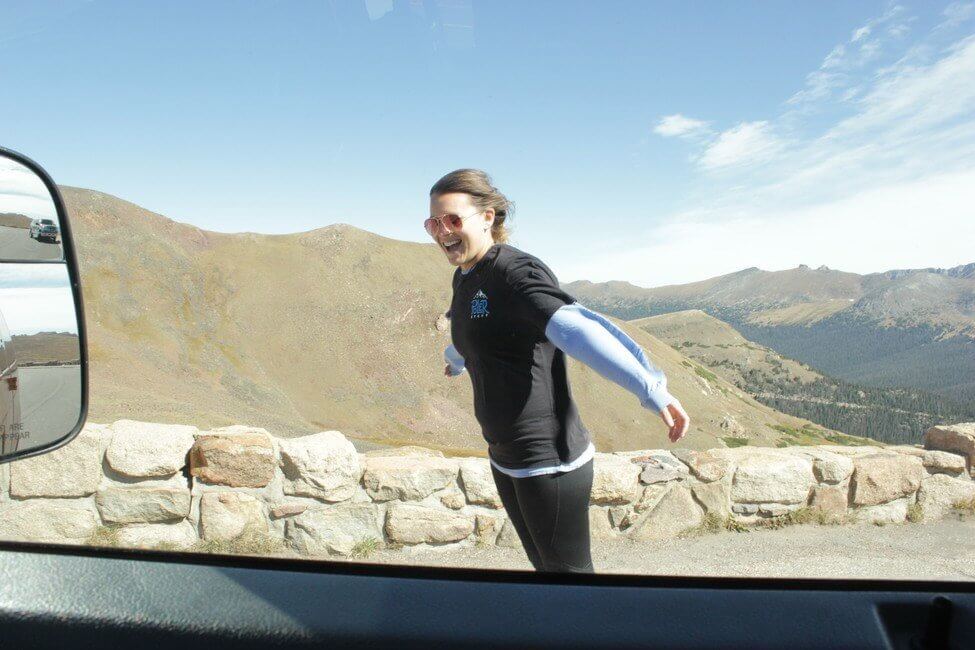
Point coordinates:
[(479, 306)]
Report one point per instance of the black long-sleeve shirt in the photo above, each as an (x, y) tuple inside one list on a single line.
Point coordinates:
[(522, 398)]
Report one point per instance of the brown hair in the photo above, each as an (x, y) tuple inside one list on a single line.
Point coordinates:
[(483, 194)]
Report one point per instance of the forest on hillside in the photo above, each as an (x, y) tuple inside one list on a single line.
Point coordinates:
[(902, 361), (892, 415), (865, 353)]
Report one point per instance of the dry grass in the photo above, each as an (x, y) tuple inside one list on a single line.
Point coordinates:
[(714, 523), (365, 547), (249, 543), (915, 513), (967, 507), (804, 515), (735, 441), (105, 536)]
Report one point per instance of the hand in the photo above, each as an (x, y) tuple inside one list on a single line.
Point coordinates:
[(446, 370), (676, 419)]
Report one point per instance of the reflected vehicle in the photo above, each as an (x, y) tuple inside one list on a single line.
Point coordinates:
[(44, 230), (42, 385), (10, 424)]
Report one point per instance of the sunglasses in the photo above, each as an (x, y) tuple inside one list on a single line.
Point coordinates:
[(449, 222)]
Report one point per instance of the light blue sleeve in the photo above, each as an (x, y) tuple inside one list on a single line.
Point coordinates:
[(454, 360), (594, 340)]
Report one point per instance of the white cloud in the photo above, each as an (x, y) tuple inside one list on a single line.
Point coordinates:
[(819, 85), (871, 26), (862, 32), (747, 143), (378, 8), (889, 186), (837, 69), (956, 13), (909, 96), (869, 51), (835, 58), (678, 125), (23, 192), (914, 225), (33, 275), (898, 30), (29, 311), (36, 298)]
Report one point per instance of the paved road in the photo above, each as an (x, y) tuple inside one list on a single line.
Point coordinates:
[(942, 550), (50, 402), (15, 244)]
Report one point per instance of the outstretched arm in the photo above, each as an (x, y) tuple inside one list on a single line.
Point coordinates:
[(594, 340), (591, 338)]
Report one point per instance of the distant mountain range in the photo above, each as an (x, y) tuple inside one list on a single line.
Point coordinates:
[(911, 328), (45, 348), (894, 415), (14, 220), (336, 328)]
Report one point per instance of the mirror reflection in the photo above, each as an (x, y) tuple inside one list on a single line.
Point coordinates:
[(40, 388), (29, 225)]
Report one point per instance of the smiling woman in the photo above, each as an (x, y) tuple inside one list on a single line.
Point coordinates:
[(752, 214), (643, 173), (514, 339)]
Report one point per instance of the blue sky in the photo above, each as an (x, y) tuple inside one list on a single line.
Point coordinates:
[(652, 142)]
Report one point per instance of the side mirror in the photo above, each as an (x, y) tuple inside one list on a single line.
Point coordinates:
[(43, 360)]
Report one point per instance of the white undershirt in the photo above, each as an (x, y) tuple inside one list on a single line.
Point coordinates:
[(583, 458)]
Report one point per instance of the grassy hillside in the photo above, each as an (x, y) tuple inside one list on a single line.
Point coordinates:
[(14, 220), (46, 348), (891, 415), (336, 328)]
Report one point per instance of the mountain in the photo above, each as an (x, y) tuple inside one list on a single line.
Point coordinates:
[(891, 414), (14, 220), (45, 348), (912, 328), (336, 328)]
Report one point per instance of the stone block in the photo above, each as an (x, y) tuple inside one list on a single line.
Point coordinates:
[(407, 479), (324, 466), (416, 524), (334, 530), (147, 449), (234, 456)]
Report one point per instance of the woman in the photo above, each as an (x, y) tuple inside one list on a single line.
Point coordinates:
[(511, 326)]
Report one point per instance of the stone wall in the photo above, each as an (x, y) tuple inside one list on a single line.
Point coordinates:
[(173, 485)]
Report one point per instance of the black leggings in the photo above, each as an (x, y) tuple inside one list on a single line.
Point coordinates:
[(551, 516)]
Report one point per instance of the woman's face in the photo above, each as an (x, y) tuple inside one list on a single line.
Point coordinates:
[(463, 247)]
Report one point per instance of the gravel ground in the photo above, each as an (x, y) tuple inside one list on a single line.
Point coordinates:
[(943, 550)]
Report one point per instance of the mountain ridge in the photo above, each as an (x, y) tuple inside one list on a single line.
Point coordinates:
[(319, 330), (907, 327)]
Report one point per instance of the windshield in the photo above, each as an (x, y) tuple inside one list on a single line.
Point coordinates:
[(618, 287)]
